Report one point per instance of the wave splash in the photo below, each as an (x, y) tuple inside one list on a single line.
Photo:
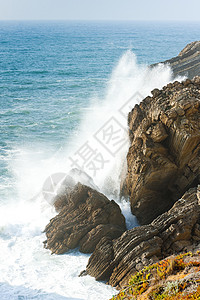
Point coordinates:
[(99, 149), (104, 124)]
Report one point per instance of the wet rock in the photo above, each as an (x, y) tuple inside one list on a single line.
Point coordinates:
[(85, 217)]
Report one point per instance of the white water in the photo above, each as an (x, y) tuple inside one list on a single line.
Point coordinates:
[(28, 271)]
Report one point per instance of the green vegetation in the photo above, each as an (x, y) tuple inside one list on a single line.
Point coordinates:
[(172, 278)]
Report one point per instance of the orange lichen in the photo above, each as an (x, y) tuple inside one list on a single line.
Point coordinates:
[(167, 279)]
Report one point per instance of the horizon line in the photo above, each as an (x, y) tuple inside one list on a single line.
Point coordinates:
[(98, 20)]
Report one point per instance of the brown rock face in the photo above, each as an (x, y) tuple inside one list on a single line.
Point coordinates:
[(85, 217), (164, 157), (174, 231), (187, 63)]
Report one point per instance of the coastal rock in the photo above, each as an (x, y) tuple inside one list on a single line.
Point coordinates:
[(172, 232), (85, 217), (163, 160), (187, 63)]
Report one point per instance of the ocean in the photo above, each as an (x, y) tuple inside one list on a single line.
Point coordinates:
[(65, 91)]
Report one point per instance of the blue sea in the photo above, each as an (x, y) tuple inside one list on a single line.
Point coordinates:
[(61, 84)]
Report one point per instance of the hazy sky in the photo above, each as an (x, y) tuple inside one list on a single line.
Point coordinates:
[(188, 10)]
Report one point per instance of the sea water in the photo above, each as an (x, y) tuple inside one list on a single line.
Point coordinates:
[(65, 90)]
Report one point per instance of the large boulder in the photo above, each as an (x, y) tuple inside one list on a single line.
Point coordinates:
[(187, 63), (174, 231), (85, 216), (164, 157)]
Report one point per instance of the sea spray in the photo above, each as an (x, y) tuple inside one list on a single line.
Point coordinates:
[(104, 125), (25, 265), (128, 85)]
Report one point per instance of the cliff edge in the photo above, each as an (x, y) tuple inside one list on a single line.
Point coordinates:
[(187, 63)]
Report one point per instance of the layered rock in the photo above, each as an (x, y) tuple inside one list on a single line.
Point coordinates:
[(85, 217), (164, 157), (187, 63), (174, 231)]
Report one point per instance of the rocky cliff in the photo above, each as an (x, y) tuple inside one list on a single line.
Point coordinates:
[(187, 63), (163, 163), (164, 157), (174, 231)]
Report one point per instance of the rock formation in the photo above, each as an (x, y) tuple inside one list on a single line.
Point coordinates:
[(187, 62), (174, 231), (85, 217), (164, 157)]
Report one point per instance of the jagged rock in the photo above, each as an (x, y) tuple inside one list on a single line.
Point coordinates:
[(85, 217), (170, 233), (163, 160), (187, 62)]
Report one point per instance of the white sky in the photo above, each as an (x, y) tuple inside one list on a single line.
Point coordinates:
[(180, 10)]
